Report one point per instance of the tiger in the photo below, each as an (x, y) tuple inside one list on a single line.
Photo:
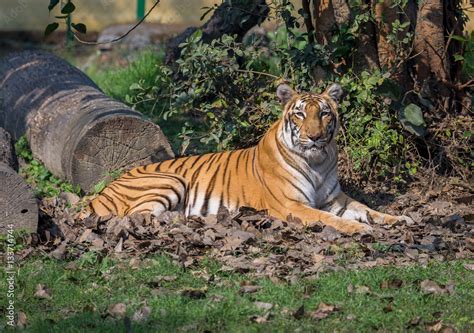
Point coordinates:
[(291, 174)]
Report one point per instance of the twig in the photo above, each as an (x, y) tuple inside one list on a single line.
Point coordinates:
[(468, 84), (450, 37), (259, 73), (443, 62), (124, 35)]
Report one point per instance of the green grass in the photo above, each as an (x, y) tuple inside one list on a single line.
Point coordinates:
[(130, 85), (81, 296), (116, 82)]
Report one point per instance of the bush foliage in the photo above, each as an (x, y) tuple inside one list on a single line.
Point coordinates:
[(220, 96)]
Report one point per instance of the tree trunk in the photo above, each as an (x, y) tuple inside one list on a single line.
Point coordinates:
[(80, 134), (427, 68), (18, 206), (231, 17)]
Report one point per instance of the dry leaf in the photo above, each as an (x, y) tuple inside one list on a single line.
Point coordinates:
[(299, 313), (263, 305), (42, 292), (248, 289), (261, 319), (391, 283), (435, 326), (431, 287), (469, 267), (60, 252), (362, 290), (142, 314), (119, 246), (323, 311), (194, 293), (117, 310), (21, 320)]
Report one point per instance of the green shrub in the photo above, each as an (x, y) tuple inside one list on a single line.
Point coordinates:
[(130, 84), (220, 96), (35, 173)]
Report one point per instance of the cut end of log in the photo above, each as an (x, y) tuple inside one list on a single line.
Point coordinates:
[(18, 206), (116, 143)]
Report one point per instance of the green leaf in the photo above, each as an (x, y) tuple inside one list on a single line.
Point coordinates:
[(389, 88), (458, 57), (50, 28), (68, 8), (135, 86), (459, 38), (100, 186), (80, 27), (411, 118), (196, 36), (52, 4)]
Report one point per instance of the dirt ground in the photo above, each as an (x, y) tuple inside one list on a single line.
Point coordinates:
[(252, 242)]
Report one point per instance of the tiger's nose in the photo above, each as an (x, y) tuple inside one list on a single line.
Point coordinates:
[(315, 137)]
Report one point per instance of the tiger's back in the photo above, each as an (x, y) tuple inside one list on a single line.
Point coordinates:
[(198, 184)]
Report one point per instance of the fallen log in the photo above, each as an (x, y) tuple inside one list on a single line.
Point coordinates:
[(79, 133), (18, 205)]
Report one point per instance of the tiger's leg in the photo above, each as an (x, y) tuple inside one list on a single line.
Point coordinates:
[(346, 207), (311, 215), (145, 192)]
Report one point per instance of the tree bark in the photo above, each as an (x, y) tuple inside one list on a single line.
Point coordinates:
[(231, 17), (429, 43), (7, 150), (80, 134), (325, 20), (18, 205)]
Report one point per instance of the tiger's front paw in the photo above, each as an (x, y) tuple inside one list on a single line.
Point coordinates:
[(349, 226), (396, 220)]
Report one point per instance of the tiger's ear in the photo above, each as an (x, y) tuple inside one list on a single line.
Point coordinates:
[(334, 91), (284, 93)]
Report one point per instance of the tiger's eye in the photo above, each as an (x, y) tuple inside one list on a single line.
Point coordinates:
[(299, 114), (324, 113)]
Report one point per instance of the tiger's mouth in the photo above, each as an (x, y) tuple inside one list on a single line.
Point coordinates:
[(316, 146)]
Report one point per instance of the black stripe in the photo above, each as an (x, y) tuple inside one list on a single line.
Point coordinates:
[(143, 203), (195, 161), (221, 200), (207, 197), (195, 194), (178, 169), (301, 191), (333, 188), (211, 161), (287, 159), (111, 200), (196, 173), (156, 176), (103, 204), (343, 209), (225, 181)]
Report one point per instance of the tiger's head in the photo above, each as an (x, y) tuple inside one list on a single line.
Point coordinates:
[(310, 121)]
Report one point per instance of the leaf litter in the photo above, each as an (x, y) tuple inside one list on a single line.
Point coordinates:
[(249, 241)]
